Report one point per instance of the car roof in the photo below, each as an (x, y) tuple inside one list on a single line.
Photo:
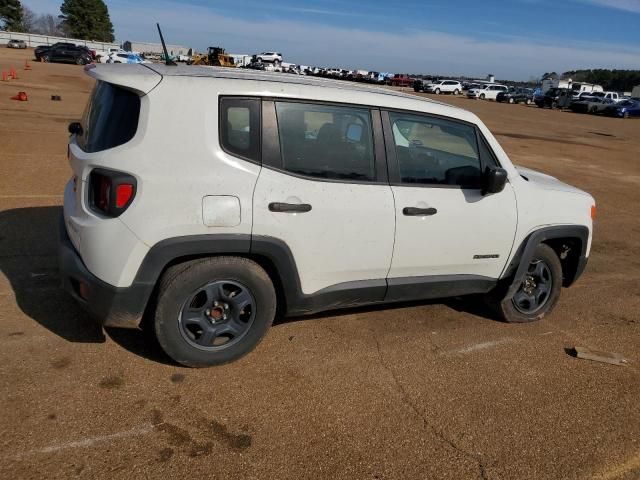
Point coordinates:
[(281, 85)]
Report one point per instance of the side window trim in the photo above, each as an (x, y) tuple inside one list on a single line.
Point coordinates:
[(392, 158), (488, 158), (254, 103), (272, 154)]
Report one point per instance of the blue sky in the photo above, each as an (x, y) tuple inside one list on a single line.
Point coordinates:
[(516, 39)]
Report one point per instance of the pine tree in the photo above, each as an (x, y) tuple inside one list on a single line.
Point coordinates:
[(86, 20), (11, 15)]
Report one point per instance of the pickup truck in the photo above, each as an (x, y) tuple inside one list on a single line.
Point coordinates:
[(401, 80)]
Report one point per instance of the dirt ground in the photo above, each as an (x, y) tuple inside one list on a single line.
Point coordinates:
[(430, 391)]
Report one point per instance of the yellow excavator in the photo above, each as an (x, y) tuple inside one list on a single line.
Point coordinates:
[(215, 56)]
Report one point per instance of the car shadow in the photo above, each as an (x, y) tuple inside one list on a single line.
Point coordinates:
[(29, 262)]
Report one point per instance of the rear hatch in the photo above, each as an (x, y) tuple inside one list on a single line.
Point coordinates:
[(110, 120)]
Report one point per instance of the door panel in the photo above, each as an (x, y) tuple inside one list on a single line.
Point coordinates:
[(444, 225), (346, 236), (467, 225), (323, 191)]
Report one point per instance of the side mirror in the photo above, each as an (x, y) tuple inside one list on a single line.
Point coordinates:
[(75, 128), (494, 180)]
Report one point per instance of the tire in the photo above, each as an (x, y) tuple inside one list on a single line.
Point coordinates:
[(511, 100), (80, 61), (546, 272), (482, 96), (276, 63), (527, 102), (192, 294), (554, 105), (456, 92), (437, 91), (625, 115), (45, 58)]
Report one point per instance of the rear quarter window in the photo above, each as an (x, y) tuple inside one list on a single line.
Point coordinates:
[(110, 119)]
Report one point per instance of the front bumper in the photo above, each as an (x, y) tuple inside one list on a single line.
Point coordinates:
[(112, 306)]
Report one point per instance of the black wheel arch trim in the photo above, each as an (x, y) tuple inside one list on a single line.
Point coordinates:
[(520, 261), (276, 257)]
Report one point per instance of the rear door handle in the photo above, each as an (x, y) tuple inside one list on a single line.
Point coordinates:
[(419, 212), (289, 207)]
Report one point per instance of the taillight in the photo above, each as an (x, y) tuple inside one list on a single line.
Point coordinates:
[(111, 192), (124, 193)]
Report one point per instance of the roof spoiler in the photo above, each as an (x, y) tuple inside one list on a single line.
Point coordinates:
[(136, 77)]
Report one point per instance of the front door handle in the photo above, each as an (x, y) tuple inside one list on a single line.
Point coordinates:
[(419, 212), (289, 207)]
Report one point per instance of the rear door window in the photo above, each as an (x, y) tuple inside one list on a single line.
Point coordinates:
[(326, 141), (240, 127), (110, 119)]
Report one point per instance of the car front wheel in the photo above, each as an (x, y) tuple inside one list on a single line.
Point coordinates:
[(45, 58), (539, 291), (214, 310), (437, 91), (482, 96)]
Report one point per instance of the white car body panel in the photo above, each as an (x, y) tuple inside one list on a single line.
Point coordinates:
[(466, 224), (347, 236)]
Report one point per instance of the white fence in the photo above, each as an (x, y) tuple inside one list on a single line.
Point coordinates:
[(35, 40)]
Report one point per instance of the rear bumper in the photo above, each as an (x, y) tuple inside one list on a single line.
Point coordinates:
[(112, 306)]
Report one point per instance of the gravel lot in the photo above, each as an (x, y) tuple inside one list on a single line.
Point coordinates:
[(435, 390)]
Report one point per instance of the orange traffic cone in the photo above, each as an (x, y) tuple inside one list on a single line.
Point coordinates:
[(14, 74), (5, 77), (26, 65), (21, 96)]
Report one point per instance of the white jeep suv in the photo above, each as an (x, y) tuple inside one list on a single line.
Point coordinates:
[(489, 91), (294, 195), (444, 86), (271, 57)]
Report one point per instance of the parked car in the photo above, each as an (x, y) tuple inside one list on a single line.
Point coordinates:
[(64, 53), (125, 57), (401, 80), (270, 57), (590, 105), (16, 44), (516, 95), (243, 231), (555, 98), (444, 86), (624, 109), (488, 91)]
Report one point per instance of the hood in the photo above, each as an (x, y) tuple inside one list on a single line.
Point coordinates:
[(547, 182)]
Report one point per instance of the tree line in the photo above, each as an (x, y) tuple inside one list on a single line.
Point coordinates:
[(616, 80), (82, 19)]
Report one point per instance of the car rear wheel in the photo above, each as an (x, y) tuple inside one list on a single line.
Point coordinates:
[(511, 100), (527, 102), (554, 105), (214, 310), (456, 92), (539, 291)]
